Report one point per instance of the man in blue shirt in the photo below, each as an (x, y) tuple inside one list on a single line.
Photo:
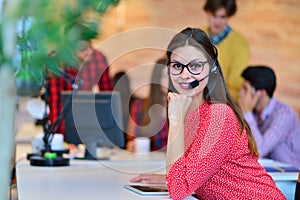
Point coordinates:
[(275, 126)]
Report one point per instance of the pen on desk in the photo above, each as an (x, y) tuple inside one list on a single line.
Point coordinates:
[(279, 169)]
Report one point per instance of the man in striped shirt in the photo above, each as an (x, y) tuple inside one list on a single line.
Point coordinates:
[(275, 126)]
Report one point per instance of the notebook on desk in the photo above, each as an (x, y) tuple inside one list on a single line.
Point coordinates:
[(148, 190)]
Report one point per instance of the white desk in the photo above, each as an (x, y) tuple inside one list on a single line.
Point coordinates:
[(105, 179), (82, 180), (85, 179)]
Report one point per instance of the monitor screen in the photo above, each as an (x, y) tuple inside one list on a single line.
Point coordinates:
[(94, 119)]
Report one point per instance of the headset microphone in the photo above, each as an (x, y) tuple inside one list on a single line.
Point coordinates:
[(195, 83)]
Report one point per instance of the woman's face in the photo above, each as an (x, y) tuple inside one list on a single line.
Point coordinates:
[(217, 21), (185, 55)]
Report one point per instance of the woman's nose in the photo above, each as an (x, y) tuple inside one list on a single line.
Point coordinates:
[(185, 73)]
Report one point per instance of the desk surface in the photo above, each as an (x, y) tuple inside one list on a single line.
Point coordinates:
[(80, 180), (97, 179), (87, 179)]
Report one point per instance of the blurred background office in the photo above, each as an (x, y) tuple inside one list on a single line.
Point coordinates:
[(271, 28)]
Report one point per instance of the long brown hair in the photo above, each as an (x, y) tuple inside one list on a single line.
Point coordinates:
[(216, 90), (156, 95)]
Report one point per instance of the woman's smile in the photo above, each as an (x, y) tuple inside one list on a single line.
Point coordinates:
[(184, 85)]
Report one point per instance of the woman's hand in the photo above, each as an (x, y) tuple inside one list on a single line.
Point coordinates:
[(150, 179), (177, 106)]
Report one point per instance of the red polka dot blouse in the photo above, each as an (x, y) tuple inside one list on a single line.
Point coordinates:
[(217, 163)]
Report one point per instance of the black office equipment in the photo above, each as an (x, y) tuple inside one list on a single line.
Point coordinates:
[(95, 119), (49, 157)]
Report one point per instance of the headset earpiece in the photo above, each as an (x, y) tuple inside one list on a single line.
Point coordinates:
[(216, 63), (214, 67)]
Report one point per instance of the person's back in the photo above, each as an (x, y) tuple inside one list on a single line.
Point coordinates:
[(234, 52), (275, 125)]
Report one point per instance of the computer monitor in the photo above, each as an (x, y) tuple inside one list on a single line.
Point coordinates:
[(94, 119)]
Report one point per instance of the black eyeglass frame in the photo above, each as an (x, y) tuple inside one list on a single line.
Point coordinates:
[(188, 66)]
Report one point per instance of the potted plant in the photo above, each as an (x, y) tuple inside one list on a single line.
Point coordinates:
[(30, 30)]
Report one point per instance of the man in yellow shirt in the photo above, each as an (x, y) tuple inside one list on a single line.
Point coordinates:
[(234, 53)]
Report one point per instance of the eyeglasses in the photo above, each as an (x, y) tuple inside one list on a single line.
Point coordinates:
[(195, 67)]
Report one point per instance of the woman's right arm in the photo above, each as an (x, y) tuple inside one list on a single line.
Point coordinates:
[(177, 109)]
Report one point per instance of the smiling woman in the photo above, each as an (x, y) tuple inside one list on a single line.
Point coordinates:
[(209, 142)]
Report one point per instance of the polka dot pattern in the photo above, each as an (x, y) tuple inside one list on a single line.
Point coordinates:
[(217, 163)]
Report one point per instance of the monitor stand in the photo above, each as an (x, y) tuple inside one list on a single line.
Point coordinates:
[(38, 160), (53, 159)]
